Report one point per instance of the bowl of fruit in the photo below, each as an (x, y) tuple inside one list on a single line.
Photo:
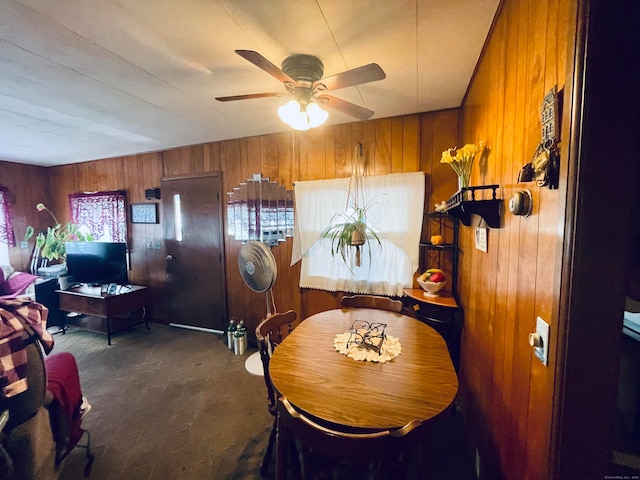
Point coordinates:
[(432, 282)]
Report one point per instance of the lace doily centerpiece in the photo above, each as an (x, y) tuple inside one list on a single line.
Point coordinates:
[(366, 341)]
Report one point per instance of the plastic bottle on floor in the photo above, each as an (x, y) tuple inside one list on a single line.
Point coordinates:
[(231, 330), (240, 339)]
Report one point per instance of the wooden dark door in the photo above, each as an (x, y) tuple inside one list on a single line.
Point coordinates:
[(193, 232)]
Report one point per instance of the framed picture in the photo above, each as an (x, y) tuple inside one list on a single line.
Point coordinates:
[(481, 239), (144, 213)]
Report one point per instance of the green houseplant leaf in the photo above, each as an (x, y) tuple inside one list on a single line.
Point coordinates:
[(52, 243), (350, 231)]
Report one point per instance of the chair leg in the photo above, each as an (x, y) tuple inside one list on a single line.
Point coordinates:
[(267, 454), (90, 456), (281, 451), (295, 459)]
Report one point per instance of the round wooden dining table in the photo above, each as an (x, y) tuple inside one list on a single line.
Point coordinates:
[(420, 383)]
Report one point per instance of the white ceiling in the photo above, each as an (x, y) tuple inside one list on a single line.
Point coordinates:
[(82, 80)]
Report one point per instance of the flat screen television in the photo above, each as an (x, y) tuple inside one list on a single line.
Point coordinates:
[(97, 262)]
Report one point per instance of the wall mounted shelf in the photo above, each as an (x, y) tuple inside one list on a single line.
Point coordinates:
[(463, 204)]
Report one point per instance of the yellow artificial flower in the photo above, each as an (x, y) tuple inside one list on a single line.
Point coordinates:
[(446, 156), (461, 160)]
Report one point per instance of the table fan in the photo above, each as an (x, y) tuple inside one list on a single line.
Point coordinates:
[(258, 268)]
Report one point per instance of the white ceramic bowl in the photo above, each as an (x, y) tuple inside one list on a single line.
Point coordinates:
[(432, 288)]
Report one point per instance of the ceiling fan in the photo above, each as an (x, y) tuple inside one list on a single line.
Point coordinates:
[(302, 77)]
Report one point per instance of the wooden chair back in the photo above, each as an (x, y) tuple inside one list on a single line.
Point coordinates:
[(361, 448), (269, 334), (372, 301)]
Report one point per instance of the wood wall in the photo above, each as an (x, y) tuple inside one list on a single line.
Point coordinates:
[(402, 144), (508, 393), (28, 186)]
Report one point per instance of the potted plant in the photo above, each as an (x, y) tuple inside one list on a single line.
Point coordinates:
[(351, 229), (51, 245)]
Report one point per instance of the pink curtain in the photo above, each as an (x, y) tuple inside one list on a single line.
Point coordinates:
[(102, 214), (6, 228)]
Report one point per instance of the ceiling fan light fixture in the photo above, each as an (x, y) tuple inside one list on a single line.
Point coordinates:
[(316, 115), (300, 118)]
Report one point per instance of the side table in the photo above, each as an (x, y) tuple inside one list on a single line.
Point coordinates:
[(121, 307), (442, 312)]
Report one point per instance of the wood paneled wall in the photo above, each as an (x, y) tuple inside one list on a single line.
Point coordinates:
[(508, 393), (401, 144), (28, 186)]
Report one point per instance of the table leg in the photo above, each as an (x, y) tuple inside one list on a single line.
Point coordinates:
[(425, 453), (145, 317), (109, 331)]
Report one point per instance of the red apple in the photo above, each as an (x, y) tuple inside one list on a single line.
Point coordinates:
[(436, 277)]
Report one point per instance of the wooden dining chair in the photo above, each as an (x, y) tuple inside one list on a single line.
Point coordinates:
[(387, 448), (269, 334), (372, 301)]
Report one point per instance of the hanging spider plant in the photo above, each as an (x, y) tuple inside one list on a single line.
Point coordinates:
[(350, 229)]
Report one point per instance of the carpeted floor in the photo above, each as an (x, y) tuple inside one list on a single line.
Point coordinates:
[(170, 403)]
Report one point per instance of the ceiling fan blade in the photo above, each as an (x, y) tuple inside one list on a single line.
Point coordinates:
[(343, 106), (365, 74), (261, 62), (250, 96)]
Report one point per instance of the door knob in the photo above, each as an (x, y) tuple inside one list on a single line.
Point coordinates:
[(168, 257)]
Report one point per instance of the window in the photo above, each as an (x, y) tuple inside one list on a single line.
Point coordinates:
[(7, 238), (396, 214), (100, 214)]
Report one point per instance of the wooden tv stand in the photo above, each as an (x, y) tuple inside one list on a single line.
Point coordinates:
[(125, 308)]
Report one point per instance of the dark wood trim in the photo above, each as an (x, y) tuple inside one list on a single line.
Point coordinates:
[(570, 121), (602, 176)]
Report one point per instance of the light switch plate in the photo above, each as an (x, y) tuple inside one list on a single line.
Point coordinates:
[(542, 329)]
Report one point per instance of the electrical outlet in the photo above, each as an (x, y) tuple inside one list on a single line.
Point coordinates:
[(24, 244), (539, 340)]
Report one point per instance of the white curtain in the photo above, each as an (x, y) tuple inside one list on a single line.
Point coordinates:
[(396, 214)]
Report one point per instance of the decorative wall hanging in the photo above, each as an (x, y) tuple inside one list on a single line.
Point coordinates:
[(144, 213), (260, 209), (545, 165), (481, 239)]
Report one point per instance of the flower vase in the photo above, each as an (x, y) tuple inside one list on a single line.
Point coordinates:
[(463, 182)]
